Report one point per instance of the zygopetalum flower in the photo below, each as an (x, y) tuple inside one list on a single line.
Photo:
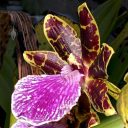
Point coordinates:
[(74, 66)]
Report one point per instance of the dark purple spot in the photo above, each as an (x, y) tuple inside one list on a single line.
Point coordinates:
[(105, 104), (85, 17), (52, 22), (39, 58), (29, 56)]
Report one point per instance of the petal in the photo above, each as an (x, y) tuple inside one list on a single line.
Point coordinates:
[(99, 68), (47, 61), (122, 103), (62, 37), (58, 124), (84, 113), (91, 120), (97, 92), (43, 99), (90, 37)]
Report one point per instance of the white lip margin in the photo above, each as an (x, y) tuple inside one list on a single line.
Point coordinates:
[(26, 120)]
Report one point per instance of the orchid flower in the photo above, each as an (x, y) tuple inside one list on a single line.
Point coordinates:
[(76, 65)]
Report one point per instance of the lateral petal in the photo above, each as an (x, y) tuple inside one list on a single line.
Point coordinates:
[(47, 61), (43, 99), (97, 92), (90, 37), (99, 68)]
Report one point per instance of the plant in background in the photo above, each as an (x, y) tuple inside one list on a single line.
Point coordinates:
[(80, 67)]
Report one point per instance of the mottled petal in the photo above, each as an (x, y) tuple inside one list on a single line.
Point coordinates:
[(62, 37), (97, 92), (90, 37), (47, 61), (122, 103), (99, 68), (92, 120), (43, 99), (84, 113)]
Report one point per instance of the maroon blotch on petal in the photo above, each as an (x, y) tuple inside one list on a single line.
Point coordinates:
[(97, 91), (62, 37), (99, 68)]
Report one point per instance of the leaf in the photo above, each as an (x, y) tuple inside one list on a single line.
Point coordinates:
[(122, 103), (119, 63), (44, 45), (8, 72), (5, 21), (120, 38), (111, 122), (106, 16), (41, 6)]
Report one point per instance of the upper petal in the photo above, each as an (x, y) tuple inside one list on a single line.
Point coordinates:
[(42, 99), (99, 68), (90, 37), (62, 37), (47, 61)]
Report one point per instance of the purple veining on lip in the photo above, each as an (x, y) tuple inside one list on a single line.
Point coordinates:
[(39, 100), (59, 124)]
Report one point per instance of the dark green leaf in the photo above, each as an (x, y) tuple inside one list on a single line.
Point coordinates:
[(119, 63), (65, 7), (111, 122), (7, 77), (106, 15)]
